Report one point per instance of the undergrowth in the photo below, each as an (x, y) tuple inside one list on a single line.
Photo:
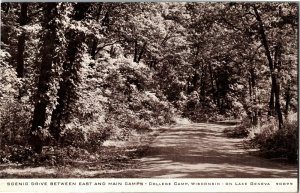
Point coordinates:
[(70, 155), (268, 139), (240, 131), (277, 143)]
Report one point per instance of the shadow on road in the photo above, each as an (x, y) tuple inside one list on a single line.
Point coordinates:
[(202, 151)]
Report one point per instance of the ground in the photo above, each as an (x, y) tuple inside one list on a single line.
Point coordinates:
[(199, 150)]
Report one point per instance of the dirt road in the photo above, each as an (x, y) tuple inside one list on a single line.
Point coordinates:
[(182, 151), (202, 151)]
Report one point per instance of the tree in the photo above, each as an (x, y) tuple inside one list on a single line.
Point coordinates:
[(275, 63), (69, 79), (23, 20), (50, 40)]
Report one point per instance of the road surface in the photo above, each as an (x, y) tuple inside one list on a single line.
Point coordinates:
[(202, 151)]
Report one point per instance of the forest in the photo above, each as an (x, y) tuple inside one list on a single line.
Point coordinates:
[(76, 75)]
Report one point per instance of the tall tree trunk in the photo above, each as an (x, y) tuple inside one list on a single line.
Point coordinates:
[(23, 20), (67, 86), (94, 48), (277, 105), (135, 51), (203, 85), (275, 85), (218, 99), (277, 64), (287, 100), (271, 111), (20, 55), (250, 88), (212, 84), (195, 81), (47, 51), (250, 115), (254, 100)]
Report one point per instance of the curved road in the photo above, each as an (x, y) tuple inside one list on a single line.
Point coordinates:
[(202, 151)]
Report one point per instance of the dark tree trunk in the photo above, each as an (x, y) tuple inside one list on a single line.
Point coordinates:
[(67, 86), (20, 55), (277, 64), (250, 113), (253, 97), (135, 51), (272, 101), (212, 84), (264, 39), (277, 105), (23, 20), (57, 114), (141, 52), (218, 100), (287, 100), (66, 89), (195, 81), (94, 48), (47, 52), (203, 85), (275, 84), (203, 91), (105, 21)]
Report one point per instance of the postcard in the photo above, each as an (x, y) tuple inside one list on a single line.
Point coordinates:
[(149, 96)]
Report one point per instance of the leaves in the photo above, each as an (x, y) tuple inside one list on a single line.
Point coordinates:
[(124, 67)]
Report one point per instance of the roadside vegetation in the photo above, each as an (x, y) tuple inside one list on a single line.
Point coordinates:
[(268, 139)]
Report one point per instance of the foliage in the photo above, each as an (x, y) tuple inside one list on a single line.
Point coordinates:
[(278, 142), (14, 118), (240, 131), (76, 74), (90, 140)]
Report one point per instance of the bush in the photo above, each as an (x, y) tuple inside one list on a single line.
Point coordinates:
[(14, 153), (141, 126), (14, 123), (90, 140), (240, 131), (275, 143), (49, 156)]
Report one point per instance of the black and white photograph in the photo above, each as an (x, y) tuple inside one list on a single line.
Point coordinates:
[(149, 90)]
